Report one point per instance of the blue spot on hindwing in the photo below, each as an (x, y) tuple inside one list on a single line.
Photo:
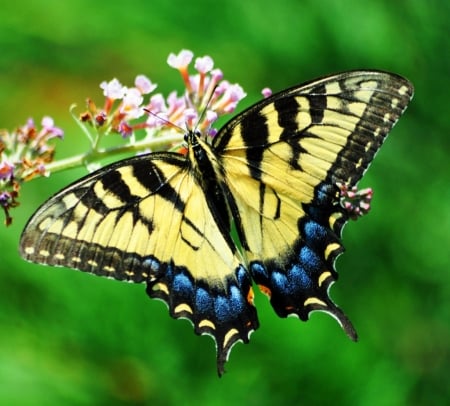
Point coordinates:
[(242, 277), (182, 285), (313, 231), (203, 302), (236, 300), (280, 282), (259, 271), (299, 278), (309, 260), (222, 309), (151, 265), (227, 307), (323, 194)]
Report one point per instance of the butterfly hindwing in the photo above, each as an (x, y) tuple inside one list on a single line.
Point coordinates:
[(146, 219), (283, 158)]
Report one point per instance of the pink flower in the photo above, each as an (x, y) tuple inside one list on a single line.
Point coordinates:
[(190, 117), (266, 92), (131, 104), (125, 129), (204, 64), (157, 103), (48, 126), (144, 84), (206, 97), (180, 61), (205, 125), (6, 170), (113, 89), (230, 97), (355, 202), (216, 75)]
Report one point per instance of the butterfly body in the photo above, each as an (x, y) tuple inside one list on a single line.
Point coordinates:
[(270, 175)]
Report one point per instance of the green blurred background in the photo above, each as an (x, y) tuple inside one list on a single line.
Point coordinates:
[(73, 339)]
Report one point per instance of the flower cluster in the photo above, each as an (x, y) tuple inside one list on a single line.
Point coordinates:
[(206, 97), (137, 113), (355, 202), (122, 106), (24, 154)]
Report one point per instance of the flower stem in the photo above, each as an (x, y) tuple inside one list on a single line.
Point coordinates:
[(95, 155)]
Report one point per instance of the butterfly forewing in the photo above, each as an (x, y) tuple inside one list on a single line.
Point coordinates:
[(105, 223)]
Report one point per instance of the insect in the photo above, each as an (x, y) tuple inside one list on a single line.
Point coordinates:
[(257, 204)]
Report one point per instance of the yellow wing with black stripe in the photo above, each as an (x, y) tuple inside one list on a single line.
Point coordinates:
[(283, 160), (146, 219)]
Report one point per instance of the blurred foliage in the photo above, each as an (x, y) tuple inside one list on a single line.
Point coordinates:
[(73, 339)]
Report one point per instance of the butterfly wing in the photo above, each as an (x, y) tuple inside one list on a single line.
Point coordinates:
[(282, 159), (146, 219)]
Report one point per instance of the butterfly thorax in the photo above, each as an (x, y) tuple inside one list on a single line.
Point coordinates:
[(208, 172), (203, 161)]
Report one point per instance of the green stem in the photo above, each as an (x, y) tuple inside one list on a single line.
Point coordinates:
[(95, 155)]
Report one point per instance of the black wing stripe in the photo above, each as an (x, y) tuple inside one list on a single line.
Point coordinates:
[(255, 128), (317, 104)]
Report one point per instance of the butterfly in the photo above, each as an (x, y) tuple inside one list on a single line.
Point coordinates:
[(259, 204)]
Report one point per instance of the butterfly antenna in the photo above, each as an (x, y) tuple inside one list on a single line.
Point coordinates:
[(208, 103), (164, 120), (204, 109)]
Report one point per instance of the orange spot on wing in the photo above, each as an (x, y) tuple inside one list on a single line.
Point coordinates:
[(265, 290), (250, 296), (182, 150)]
